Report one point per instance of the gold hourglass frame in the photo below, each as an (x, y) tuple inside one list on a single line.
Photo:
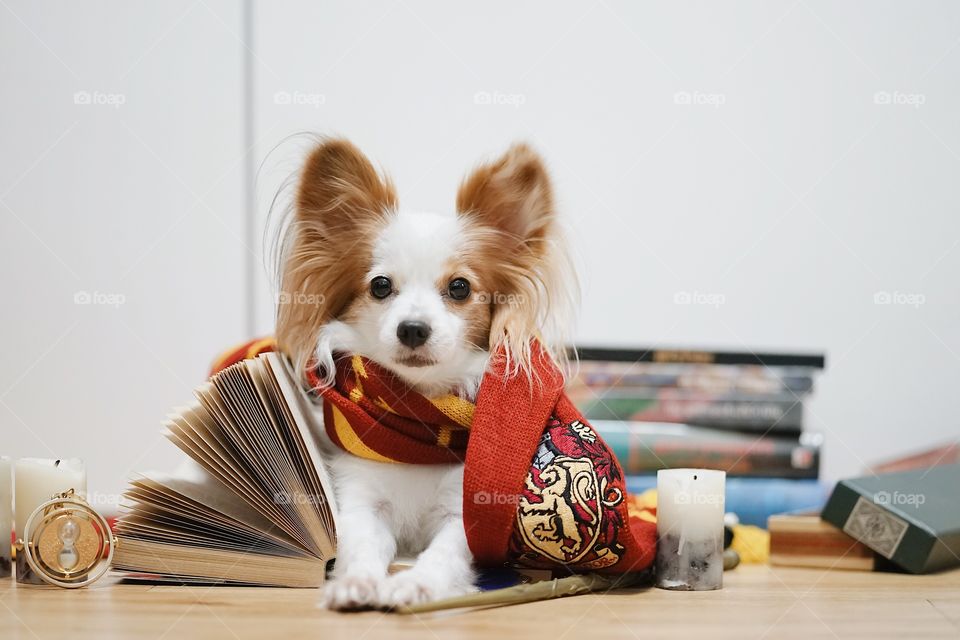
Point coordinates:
[(65, 543)]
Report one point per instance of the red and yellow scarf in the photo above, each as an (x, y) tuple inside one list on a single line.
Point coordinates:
[(540, 486), (372, 414)]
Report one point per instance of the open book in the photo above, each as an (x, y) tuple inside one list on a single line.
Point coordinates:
[(265, 512)]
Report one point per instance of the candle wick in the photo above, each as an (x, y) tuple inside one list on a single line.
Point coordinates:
[(57, 463)]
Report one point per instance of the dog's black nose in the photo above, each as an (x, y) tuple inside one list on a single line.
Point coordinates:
[(413, 333)]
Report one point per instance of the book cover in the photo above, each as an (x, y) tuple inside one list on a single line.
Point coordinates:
[(780, 414), (912, 518), (645, 447)]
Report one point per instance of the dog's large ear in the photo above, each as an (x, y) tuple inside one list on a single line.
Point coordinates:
[(511, 194), (340, 188), (525, 255), (340, 201)]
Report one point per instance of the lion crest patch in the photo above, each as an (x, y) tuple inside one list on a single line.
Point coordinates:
[(567, 511)]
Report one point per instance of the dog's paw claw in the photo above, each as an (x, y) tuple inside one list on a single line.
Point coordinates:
[(410, 588), (351, 592), (405, 589)]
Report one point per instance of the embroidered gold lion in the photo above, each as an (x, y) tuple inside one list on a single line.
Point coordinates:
[(551, 526)]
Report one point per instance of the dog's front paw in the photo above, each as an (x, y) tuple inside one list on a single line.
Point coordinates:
[(414, 587), (358, 591)]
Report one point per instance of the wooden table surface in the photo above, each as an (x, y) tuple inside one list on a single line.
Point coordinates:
[(756, 602)]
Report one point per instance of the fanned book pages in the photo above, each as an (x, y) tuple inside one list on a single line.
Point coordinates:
[(264, 512)]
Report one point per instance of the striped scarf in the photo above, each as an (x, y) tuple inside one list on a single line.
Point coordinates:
[(372, 414)]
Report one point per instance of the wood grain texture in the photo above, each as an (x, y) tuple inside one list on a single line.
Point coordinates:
[(757, 602)]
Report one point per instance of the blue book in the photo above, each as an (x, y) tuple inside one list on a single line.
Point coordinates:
[(756, 499)]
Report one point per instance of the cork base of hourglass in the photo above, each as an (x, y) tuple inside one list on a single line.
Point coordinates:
[(26, 575)]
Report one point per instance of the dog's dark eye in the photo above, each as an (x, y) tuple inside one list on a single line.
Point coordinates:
[(458, 289), (381, 287)]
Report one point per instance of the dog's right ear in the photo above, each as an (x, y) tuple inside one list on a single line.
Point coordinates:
[(340, 202), (340, 188)]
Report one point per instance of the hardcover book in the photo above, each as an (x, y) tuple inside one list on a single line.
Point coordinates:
[(782, 413), (645, 447), (947, 453), (719, 378), (702, 356), (806, 540), (754, 500), (261, 512), (912, 518)]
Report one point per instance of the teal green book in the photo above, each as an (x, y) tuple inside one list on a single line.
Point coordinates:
[(912, 518)]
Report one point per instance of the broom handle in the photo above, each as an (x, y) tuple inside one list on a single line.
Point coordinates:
[(556, 588)]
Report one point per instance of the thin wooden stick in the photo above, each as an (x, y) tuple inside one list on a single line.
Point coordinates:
[(521, 593)]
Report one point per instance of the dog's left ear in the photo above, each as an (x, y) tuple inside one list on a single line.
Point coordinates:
[(512, 194)]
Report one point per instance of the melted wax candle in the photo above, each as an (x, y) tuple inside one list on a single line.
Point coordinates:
[(690, 529)]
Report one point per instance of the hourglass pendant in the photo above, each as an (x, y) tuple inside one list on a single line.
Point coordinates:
[(65, 543), (68, 532)]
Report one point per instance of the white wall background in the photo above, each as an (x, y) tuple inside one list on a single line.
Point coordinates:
[(787, 188), (142, 200)]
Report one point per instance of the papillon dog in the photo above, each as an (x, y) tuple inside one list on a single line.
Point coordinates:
[(428, 296)]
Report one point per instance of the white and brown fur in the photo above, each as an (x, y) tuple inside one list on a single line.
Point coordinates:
[(347, 229)]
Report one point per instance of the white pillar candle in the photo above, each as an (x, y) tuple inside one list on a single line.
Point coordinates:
[(6, 515), (38, 480), (690, 529)]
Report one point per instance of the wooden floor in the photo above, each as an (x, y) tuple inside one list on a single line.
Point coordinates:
[(757, 602)]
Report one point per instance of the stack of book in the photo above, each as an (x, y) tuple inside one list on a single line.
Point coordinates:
[(735, 411)]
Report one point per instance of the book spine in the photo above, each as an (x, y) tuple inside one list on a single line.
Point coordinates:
[(697, 356), (706, 378), (798, 385), (764, 457), (746, 413)]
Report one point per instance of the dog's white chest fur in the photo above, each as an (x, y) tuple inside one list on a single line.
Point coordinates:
[(386, 510), (412, 499)]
